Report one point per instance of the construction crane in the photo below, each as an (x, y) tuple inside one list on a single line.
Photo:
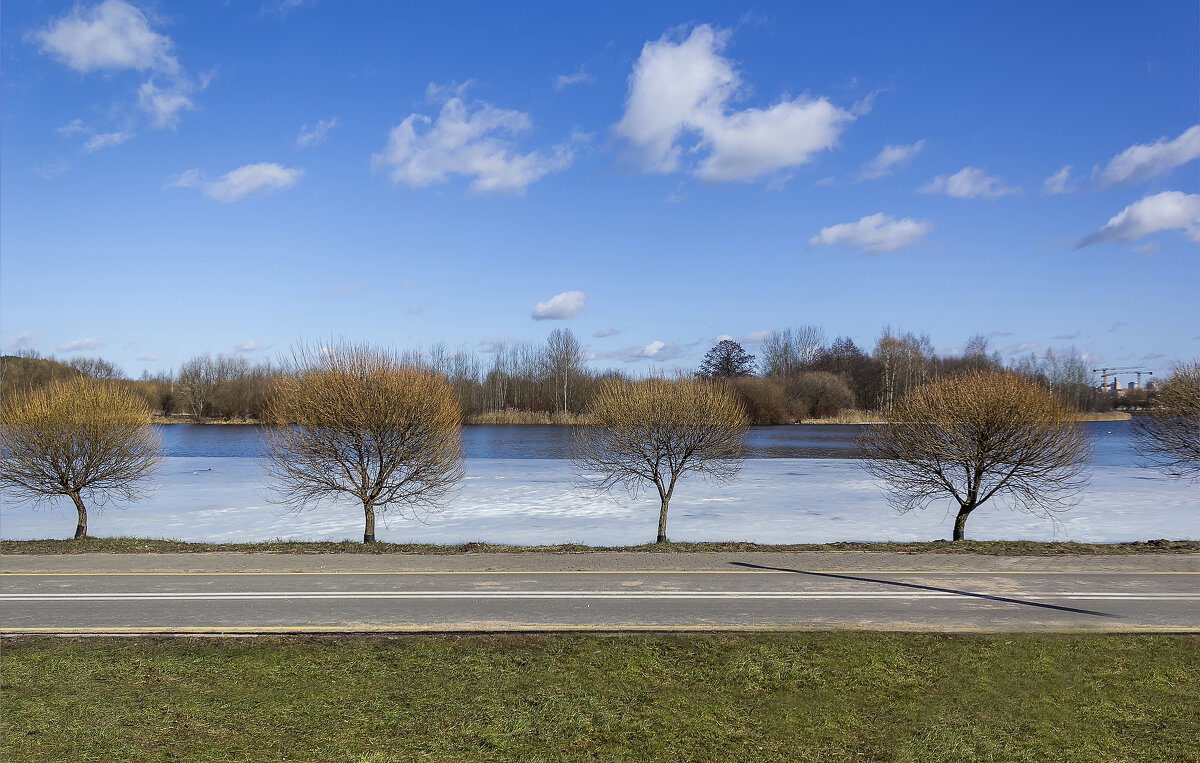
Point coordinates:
[(1107, 372)]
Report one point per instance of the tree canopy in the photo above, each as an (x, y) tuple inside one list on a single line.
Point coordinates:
[(88, 439), (356, 422), (977, 436), (656, 430), (727, 360)]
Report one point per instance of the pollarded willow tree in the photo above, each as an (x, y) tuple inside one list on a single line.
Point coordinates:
[(656, 430), (90, 440), (351, 421), (1169, 434), (978, 436)]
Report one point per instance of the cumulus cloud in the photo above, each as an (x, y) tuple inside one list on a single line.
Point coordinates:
[(250, 346), (471, 141), (968, 183), (115, 36), (105, 140), (1059, 182), (684, 87), (1169, 210), (316, 135), (890, 159), (80, 345), (566, 80), (561, 307), (111, 35), (242, 182), (874, 234), (1148, 160)]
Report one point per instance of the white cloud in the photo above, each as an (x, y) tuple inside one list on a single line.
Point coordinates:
[(968, 183), (250, 346), (1144, 161), (561, 307), (316, 136), (468, 141), (164, 105), (79, 345), (603, 333), (1169, 210), (52, 169), (111, 35), (874, 234), (1149, 249), (242, 182), (683, 87), (74, 127), (1059, 182), (657, 351), (493, 345), (105, 140), (566, 80), (24, 339), (757, 337), (890, 159)]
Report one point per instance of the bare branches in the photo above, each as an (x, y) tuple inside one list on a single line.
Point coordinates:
[(1169, 435), (977, 436), (656, 430), (356, 422), (80, 437)]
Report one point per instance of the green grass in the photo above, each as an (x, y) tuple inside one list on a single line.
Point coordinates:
[(783, 697), (997, 548)]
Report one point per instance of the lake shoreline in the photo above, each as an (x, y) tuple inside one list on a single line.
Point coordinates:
[(127, 545)]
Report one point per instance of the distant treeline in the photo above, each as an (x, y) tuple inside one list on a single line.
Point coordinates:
[(797, 376)]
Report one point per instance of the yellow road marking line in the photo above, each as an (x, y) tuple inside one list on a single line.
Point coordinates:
[(586, 572)]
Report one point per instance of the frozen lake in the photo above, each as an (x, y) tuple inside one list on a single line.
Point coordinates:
[(519, 489)]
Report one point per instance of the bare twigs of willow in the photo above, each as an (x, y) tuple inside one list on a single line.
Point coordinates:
[(352, 421), (977, 436), (655, 431), (1169, 435), (79, 437)]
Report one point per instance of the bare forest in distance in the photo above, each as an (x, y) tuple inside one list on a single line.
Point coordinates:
[(797, 376)]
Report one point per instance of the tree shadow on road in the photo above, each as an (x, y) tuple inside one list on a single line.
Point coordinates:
[(919, 587)]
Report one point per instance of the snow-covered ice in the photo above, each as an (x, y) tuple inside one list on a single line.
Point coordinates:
[(534, 501)]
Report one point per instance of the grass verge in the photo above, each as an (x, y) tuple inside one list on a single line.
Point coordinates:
[(783, 697), (995, 548)]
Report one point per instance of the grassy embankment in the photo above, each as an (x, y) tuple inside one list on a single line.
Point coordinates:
[(783, 697), (995, 548)]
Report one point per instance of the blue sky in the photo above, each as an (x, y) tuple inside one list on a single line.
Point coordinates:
[(181, 178)]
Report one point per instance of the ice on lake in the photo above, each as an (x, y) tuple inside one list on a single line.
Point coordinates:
[(535, 501)]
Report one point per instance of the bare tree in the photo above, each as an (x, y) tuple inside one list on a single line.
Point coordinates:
[(353, 421), (1169, 435), (655, 431), (565, 358), (80, 437), (976, 436)]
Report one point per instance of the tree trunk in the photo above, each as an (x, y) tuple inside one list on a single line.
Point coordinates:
[(662, 520), (960, 522), (81, 527), (369, 532)]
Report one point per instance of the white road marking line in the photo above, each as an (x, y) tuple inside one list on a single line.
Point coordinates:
[(799, 595)]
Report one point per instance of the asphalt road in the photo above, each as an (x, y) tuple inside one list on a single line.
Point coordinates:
[(252, 593)]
